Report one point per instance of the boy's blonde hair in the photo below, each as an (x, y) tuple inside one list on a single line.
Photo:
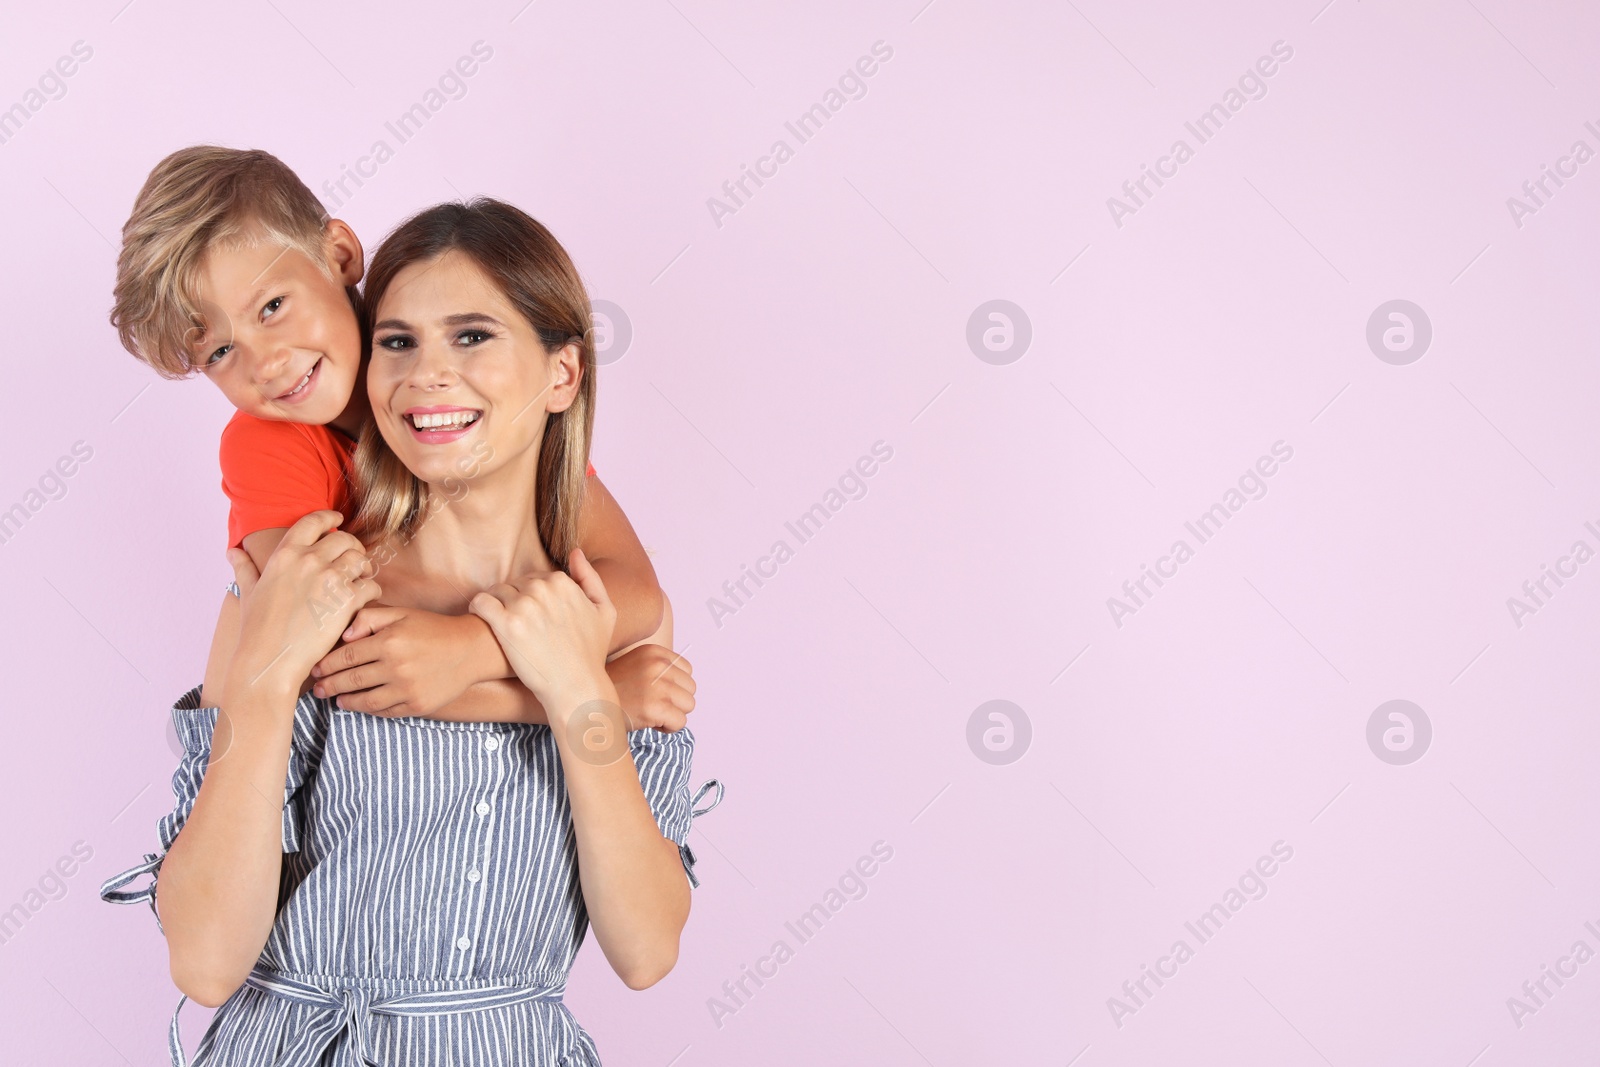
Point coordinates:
[(196, 200)]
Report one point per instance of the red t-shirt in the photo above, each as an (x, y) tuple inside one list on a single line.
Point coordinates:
[(276, 473)]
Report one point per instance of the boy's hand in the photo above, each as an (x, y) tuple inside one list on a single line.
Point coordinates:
[(401, 661), (655, 687)]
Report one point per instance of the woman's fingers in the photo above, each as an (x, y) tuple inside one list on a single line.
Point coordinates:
[(244, 570), (588, 579), (337, 543), (490, 608), (310, 528)]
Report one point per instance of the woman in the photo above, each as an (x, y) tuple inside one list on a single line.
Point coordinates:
[(437, 877)]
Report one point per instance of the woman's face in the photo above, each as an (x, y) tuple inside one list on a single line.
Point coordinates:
[(460, 384)]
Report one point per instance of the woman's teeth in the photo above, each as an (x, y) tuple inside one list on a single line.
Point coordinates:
[(444, 420)]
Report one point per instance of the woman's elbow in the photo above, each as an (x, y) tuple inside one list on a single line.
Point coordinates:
[(204, 989), (207, 982), (648, 973)]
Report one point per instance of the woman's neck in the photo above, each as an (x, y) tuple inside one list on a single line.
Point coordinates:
[(486, 535)]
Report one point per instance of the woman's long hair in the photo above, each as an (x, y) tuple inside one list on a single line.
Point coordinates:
[(537, 276)]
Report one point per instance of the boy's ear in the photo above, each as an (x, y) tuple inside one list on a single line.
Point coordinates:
[(343, 249), (566, 375)]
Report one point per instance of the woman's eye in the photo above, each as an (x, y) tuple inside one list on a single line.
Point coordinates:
[(473, 337), (394, 343), (271, 306)]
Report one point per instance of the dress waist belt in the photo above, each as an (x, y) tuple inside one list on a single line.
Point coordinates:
[(348, 1009)]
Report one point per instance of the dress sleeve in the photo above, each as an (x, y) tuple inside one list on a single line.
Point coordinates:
[(194, 725), (663, 762)]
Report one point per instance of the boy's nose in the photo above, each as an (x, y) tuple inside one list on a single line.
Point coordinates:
[(271, 364)]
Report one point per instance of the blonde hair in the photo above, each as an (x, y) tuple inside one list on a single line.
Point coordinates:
[(195, 200), (529, 266)]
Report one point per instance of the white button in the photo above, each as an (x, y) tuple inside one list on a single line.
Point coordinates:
[(473, 876), (464, 943), (491, 743), (482, 808)]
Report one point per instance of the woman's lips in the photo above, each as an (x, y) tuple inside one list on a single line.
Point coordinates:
[(451, 424), (305, 387)]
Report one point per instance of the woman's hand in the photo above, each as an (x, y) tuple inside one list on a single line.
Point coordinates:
[(291, 614), (555, 631), (655, 687)]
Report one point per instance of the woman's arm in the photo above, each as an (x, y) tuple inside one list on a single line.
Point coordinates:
[(632, 876), (218, 890), (225, 638)]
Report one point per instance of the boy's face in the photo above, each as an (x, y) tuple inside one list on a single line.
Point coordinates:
[(281, 340)]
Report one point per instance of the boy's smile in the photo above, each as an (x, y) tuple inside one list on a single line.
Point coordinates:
[(281, 339)]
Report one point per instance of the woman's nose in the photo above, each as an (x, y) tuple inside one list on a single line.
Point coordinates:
[(430, 368)]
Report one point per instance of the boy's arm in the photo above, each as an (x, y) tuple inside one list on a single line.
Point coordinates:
[(437, 659), (613, 549), (226, 636)]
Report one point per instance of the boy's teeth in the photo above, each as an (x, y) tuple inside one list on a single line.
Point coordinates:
[(443, 419)]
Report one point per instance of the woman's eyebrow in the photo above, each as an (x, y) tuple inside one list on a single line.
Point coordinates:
[(465, 317), (392, 324)]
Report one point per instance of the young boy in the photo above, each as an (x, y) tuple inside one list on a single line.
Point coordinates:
[(230, 267)]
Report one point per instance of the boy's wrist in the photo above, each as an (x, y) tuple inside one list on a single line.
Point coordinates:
[(484, 659)]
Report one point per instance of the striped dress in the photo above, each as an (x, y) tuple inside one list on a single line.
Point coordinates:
[(430, 907)]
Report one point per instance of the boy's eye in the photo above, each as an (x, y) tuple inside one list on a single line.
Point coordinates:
[(271, 306), (218, 354)]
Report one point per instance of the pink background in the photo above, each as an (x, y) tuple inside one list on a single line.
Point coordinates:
[(830, 311)]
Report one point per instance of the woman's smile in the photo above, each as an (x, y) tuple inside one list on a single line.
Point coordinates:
[(441, 424)]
